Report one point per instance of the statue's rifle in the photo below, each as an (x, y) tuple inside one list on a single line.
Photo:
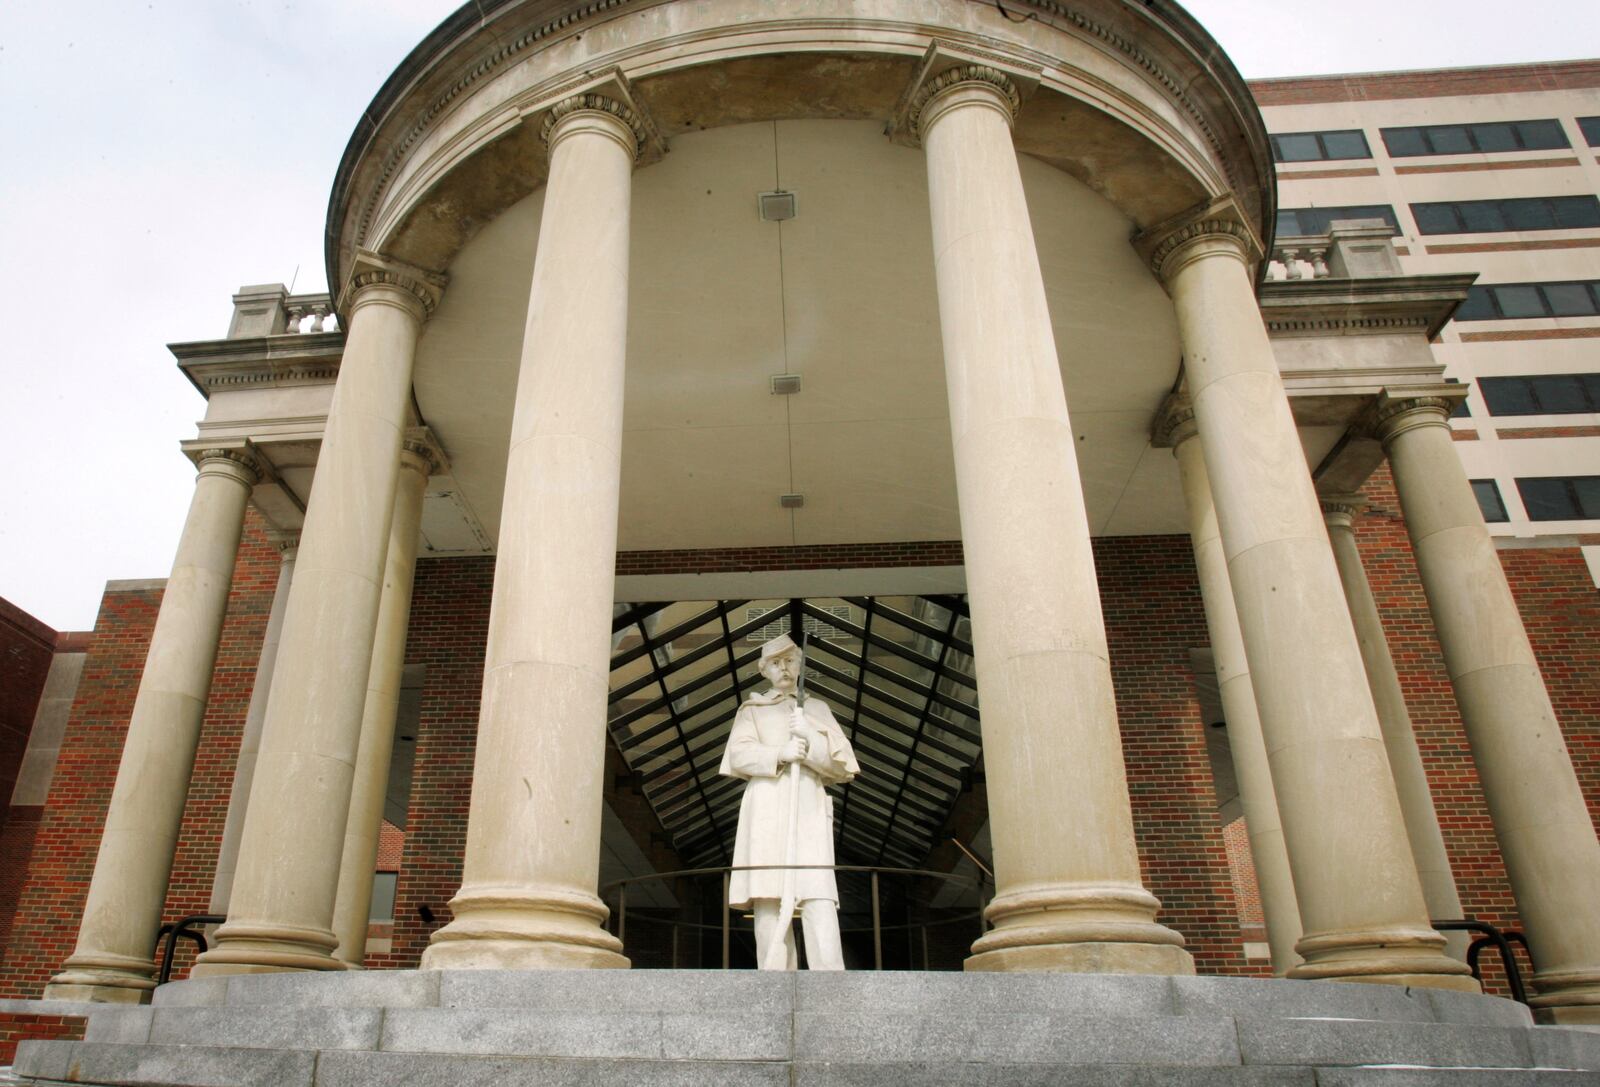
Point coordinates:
[(778, 950)]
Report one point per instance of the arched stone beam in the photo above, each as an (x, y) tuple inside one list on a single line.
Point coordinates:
[(1135, 100)]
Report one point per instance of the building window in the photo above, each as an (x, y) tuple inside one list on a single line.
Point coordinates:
[(1500, 301), (1488, 496), (1561, 498), (1303, 222), (1320, 146), (383, 888), (1549, 394), (1499, 216), (1591, 130), (1546, 135)]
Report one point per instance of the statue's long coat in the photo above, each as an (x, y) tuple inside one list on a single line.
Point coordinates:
[(760, 729)]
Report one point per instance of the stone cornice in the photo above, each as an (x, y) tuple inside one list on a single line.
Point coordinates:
[(1398, 410), (951, 78), (375, 269), (1377, 305), (1174, 423), (311, 358), (1219, 218)]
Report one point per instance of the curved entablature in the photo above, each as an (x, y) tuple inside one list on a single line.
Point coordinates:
[(1133, 99)]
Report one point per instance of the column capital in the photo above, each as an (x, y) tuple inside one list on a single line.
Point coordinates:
[(415, 288), (241, 462), (1341, 510), (1174, 423), (421, 450), (638, 131), (1396, 411), (287, 542), (998, 81), (998, 87), (608, 93), (1216, 227)]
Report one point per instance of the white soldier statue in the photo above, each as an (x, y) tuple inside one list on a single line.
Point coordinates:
[(790, 749)]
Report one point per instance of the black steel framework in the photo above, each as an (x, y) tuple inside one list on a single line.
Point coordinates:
[(896, 671)]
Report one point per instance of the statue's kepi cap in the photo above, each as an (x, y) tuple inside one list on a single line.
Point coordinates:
[(779, 645)]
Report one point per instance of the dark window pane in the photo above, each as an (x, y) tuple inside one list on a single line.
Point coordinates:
[(1569, 299), (1591, 385), (1404, 142), (1590, 126), (1346, 145), (1298, 147), (1288, 223), (1292, 221), (1436, 218), (1575, 211), (1460, 411), (1528, 214), (1483, 216), (1519, 301), (1449, 139), (1489, 502), (1542, 135), (1548, 499), (1560, 394), (1588, 491), (1497, 137), (1508, 396), (1479, 306)]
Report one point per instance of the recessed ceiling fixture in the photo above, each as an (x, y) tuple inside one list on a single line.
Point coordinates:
[(791, 501), (785, 384), (775, 207)]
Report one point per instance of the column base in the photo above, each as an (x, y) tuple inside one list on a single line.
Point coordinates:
[(500, 928), (1095, 930), (103, 978), (256, 947), (1399, 956), (1567, 999)]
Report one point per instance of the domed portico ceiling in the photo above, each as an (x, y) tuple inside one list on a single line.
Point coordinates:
[(1134, 99)]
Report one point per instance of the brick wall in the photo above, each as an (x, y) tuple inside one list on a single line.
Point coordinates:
[(1154, 617), (27, 647), (68, 837), (17, 1027)]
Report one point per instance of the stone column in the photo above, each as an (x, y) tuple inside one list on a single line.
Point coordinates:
[(244, 767), (1068, 893), (112, 961), (528, 895), (419, 459), (1361, 905), (1405, 760), (280, 915), (1256, 794), (1540, 820)]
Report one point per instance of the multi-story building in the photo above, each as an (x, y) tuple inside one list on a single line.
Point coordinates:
[(1494, 171)]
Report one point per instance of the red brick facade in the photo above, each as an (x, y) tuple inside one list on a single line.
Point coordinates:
[(1153, 619)]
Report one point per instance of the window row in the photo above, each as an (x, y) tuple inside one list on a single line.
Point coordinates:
[(1304, 222), (1499, 301), (1543, 135), (1419, 140), (1544, 394), (1546, 498), (1499, 216), (1348, 143)]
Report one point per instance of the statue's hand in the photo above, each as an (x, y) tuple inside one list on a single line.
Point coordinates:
[(794, 750)]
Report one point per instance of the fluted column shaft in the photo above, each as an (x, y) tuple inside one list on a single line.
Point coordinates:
[(1361, 905), (1399, 739), (1249, 748), (112, 961), (528, 896), (1069, 895), (280, 914), (244, 767), (1540, 820), (353, 901)]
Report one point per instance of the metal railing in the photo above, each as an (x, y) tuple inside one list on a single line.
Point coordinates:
[(168, 935), (619, 889), (1501, 940)]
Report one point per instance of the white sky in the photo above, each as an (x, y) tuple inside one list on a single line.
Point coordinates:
[(158, 155)]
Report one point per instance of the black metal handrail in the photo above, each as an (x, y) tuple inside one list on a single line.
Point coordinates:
[(168, 935), (1501, 940), (878, 928)]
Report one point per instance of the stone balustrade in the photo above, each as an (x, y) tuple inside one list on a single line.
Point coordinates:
[(1351, 249)]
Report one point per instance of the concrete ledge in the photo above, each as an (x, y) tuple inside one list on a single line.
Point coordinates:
[(430, 1070), (1043, 1075), (1335, 1042)]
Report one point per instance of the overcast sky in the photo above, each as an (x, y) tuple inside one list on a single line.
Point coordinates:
[(158, 155)]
